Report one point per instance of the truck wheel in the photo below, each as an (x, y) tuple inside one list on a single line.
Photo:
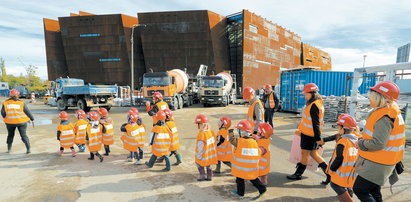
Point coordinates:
[(205, 105), (81, 104), (61, 105), (225, 101), (180, 102), (175, 103)]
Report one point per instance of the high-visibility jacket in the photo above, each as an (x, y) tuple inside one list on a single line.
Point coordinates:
[(15, 112), (264, 163), (271, 100), (94, 138), (225, 149), (80, 129), (161, 107), (162, 140), (345, 175), (175, 140), (133, 138), (250, 114), (245, 160), (108, 136), (306, 124), (66, 135), (208, 154), (393, 152)]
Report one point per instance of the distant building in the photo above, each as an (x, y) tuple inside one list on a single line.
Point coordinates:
[(403, 53)]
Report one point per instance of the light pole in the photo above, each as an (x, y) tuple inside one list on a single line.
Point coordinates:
[(363, 64)]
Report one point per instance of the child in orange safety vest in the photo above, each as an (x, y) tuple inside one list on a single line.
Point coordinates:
[(224, 147), (160, 141), (246, 158), (175, 140), (65, 134), (108, 135), (80, 128), (206, 148), (133, 136), (94, 133), (263, 140)]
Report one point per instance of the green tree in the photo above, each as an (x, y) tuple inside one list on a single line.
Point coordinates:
[(2, 67)]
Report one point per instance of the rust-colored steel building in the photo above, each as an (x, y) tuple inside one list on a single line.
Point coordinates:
[(314, 57), (184, 39), (56, 60)]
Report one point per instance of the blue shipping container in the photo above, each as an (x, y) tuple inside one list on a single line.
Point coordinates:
[(329, 82)]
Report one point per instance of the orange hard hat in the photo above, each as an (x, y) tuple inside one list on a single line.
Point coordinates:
[(388, 89), (80, 114), (169, 113), (347, 121), (310, 87), (247, 92), (201, 118), (133, 116), (14, 92), (93, 116), (268, 86), (103, 111), (225, 121), (135, 110), (160, 115), (245, 126), (265, 129), (158, 95), (63, 116)]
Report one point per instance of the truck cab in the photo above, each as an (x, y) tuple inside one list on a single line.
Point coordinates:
[(213, 90), (158, 82)]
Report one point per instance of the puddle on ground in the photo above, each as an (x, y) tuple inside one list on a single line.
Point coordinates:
[(43, 122)]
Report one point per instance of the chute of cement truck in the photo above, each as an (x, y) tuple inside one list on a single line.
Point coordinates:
[(180, 79)]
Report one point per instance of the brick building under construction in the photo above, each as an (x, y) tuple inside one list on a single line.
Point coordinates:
[(97, 48)]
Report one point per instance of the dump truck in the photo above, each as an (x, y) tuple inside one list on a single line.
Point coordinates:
[(218, 89), (69, 92)]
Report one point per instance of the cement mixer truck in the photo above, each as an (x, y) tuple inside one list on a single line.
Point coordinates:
[(174, 85), (219, 89)]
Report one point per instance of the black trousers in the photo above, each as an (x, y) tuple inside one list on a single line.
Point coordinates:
[(22, 127), (268, 116), (367, 191), (257, 183)]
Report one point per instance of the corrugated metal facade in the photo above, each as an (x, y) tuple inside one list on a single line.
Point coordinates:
[(314, 57), (56, 60)]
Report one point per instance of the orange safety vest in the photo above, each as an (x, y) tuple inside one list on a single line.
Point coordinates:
[(15, 112), (175, 140), (250, 114), (66, 135), (225, 149), (94, 138), (108, 136), (133, 138), (208, 155), (161, 107), (246, 159), (264, 163), (80, 129), (162, 140), (306, 124), (345, 175), (271, 100), (393, 152)]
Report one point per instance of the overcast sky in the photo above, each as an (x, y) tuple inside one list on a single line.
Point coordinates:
[(346, 29)]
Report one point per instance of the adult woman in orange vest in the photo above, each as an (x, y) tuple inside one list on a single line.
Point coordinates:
[(310, 128), (206, 148), (159, 105), (65, 134), (247, 154), (107, 123), (255, 112), (224, 147), (160, 141), (341, 167), (271, 104), (94, 135), (80, 129), (382, 146), (263, 140), (16, 115)]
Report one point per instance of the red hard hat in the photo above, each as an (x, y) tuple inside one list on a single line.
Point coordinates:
[(133, 116), (201, 118), (225, 121), (168, 112), (347, 121), (93, 116), (103, 111), (310, 87), (245, 126), (158, 95), (14, 92), (160, 115), (268, 86), (388, 89), (80, 114), (247, 92), (135, 110), (265, 129), (63, 116)]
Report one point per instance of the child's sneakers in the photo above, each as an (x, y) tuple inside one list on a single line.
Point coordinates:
[(73, 153), (138, 162)]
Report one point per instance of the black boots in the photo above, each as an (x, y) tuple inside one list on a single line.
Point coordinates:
[(178, 157), (107, 149), (9, 148), (323, 167), (298, 172), (327, 180), (209, 174)]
